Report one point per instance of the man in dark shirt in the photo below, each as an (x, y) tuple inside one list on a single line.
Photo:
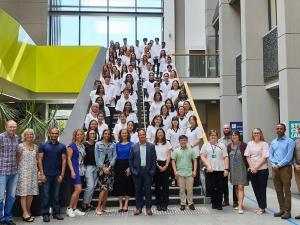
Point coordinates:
[(52, 166)]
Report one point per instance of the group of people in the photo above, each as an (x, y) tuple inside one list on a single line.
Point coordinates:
[(246, 163), (125, 162)]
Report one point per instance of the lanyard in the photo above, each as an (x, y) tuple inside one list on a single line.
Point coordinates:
[(213, 148)]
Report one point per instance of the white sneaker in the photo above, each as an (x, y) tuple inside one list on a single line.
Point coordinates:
[(70, 212), (77, 212)]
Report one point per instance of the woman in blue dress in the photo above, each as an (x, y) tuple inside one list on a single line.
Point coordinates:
[(123, 186), (75, 155)]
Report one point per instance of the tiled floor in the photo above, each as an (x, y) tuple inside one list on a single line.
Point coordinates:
[(203, 215)]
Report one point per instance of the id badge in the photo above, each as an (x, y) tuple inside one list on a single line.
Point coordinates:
[(213, 156)]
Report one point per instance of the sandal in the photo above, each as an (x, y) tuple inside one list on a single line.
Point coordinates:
[(28, 219), (260, 211)]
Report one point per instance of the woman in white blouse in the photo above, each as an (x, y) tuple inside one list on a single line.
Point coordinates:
[(132, 131), (92, 115), (155, 105), (174, 132), (188, 109), (194, 135), (257, 154), (215, 158), (163, 153), (156, 123), (119, 126), (183, 120), (164, 112), (173, 94)]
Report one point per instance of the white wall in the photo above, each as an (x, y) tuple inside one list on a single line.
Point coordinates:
[(195, 25), (169, 24)]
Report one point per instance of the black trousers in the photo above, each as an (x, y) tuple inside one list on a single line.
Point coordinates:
[(161, 181), (259, 183), (215, 184), (226, 191)]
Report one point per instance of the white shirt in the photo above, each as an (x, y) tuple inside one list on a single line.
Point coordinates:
[(215, 155), (183, 123), (189, 114), (173, 95), (134, 137), (94, 98), (110, 93), (117, 128), (150, 88), (162, 151), (162, 64), (166, 88), (167, 122), (150, 134), (155, 50), (89, 117), (155, 109), (173, 137), (193, 135), (118, 85), (101, 128), (131, 117), (121, 102)]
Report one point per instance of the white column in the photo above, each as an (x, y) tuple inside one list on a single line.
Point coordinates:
[(259, 107), (169, 24), (288, 61), (229, 40)]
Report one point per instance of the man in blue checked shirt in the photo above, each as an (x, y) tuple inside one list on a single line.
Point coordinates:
[(281, 156), (8, 171)]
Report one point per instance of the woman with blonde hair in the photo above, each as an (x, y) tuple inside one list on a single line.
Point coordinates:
[(27, 185), (75, 156), (257, 154)]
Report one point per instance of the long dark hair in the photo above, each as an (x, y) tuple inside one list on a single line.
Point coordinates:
[(164, 140), (154, 118), (110, 135)]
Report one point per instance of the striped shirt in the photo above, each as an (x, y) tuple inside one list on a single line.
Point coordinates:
[(8, 150)]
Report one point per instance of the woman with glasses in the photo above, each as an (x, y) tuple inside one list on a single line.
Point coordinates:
[(215, 158)]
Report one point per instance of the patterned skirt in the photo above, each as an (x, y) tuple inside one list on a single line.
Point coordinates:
[(106, 181)]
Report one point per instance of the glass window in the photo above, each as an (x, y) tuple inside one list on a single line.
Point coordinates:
[(93, 30), (122, 27), (149, 27), (272, 14), (149, 5), (121, 5), (69, 30), (64, 5), (94, 5)]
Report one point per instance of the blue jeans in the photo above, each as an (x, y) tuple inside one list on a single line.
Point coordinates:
[(8, 184), (91, 181), (50, 195)]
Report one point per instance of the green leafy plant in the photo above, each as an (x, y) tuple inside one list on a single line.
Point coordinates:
[(6, 113), (31, 119)]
